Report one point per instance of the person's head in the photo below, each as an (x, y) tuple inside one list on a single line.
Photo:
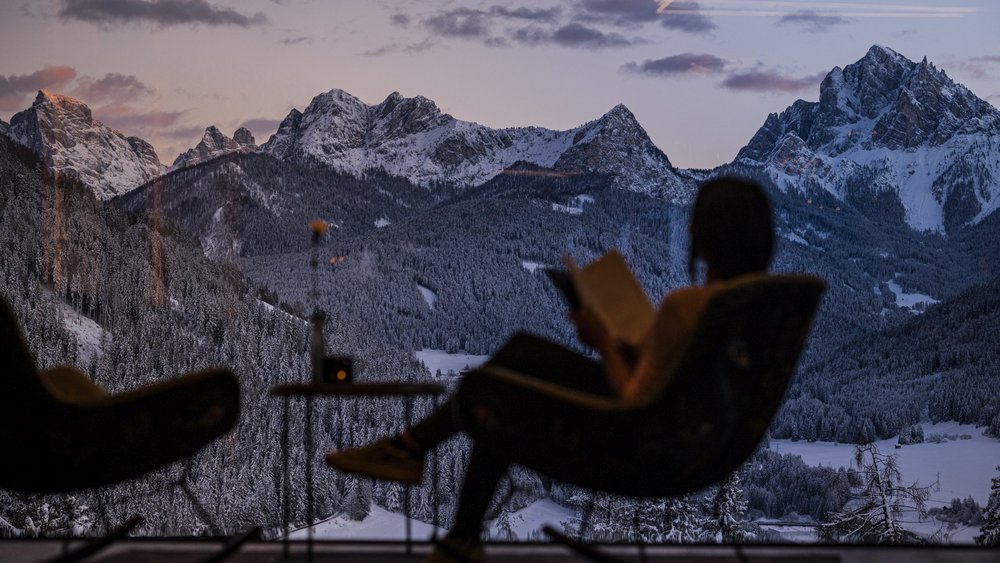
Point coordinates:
[(731, 228)]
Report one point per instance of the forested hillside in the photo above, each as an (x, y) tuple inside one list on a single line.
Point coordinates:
[(154, 306)]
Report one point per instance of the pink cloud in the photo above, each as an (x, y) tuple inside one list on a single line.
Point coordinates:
[(16, 90), (113, 87)]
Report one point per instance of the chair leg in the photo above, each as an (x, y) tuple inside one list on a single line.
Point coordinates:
[(98, 544), (184, 485), (588, 512), (579, 547)]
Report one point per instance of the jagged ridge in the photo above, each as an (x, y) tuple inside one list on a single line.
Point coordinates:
[(412, 138), (213, 144)]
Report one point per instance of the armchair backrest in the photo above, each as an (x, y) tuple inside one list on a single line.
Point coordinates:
[(732, 378)]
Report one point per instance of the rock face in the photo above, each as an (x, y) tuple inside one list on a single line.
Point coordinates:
[(888, 124), (214, 144), (412, 138), (62, 131), (244, 137)]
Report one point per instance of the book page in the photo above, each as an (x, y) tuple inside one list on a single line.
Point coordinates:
[(609, 289)]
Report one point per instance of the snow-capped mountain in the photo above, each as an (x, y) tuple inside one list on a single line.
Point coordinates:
[(412, 138), (888, 124), (62, 131), (214, 143)]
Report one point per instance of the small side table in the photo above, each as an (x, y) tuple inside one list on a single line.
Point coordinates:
[(312, 390)]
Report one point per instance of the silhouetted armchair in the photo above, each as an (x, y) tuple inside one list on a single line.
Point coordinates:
[(702, 426), (60, 432)]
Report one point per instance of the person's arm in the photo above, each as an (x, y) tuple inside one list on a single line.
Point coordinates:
[(666, 341), (619, 359)]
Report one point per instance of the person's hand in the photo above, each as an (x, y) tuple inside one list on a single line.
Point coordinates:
[(588, 329)]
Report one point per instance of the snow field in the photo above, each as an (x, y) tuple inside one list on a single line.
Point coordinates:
[(88, 333), (382, 524), (449, 364), (915, 302)]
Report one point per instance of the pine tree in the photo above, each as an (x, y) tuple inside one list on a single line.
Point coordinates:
[(991, 529), (873, 515), (358, 503), (729, 513), (504, 531)]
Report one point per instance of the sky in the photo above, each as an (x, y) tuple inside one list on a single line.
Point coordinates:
[(701, 77)]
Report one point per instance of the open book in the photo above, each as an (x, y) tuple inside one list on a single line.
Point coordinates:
[(608, 288)]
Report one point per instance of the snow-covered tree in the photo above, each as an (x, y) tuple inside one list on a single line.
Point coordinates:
[(874, 514), (358, 503), (991, 528), (728, 523), (503, 527)]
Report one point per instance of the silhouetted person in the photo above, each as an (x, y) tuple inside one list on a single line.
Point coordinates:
[(732, 233)]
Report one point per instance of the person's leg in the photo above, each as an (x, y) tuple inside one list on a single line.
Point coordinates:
[(400, 458), (543, 359), (437, 427), (481, 479)]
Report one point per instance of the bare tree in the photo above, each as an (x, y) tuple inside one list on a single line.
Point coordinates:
[(991, 528), (875, 513)]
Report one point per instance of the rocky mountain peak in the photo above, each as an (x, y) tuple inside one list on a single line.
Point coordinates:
[(64, 133), (889, 124), (620, 112), (65, 105), (244, 137), (215, 143)]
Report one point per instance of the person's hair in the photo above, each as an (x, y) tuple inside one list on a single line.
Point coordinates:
[(731, 228)]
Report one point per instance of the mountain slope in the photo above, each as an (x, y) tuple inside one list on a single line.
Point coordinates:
[(940, 365), (888, 125), (62, 131), (412, 138)]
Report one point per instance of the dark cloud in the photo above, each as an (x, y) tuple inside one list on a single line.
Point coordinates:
[(15, 89), (812, 21), (162, 13), (686, 17), (579, 35), (402, 20), (547, 15), (463, 23), (262, 127), (113, 87), (622, 13), (488, 26), (771, 81), (684, 63), (410, 48), (296, 40), (574, 35)]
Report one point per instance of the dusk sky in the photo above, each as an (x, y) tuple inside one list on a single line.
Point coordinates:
[(701, 77)]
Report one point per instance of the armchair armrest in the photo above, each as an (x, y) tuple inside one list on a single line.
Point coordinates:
[(69, 385)]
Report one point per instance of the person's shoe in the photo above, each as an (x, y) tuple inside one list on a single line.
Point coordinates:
[(381, 460), (457, 550)]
